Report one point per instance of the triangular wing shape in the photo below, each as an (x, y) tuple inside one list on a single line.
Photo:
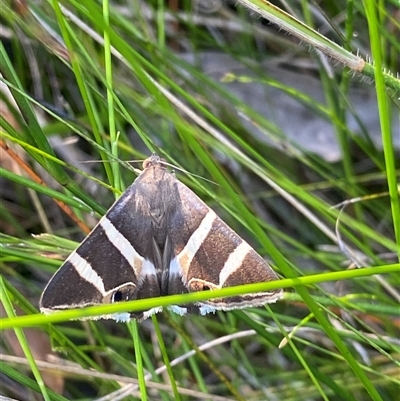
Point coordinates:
[(112, 264), (210, 255)]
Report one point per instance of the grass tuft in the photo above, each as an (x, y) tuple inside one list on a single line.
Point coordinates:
[(281, 132)]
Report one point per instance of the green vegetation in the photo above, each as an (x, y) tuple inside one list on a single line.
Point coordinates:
[(111, 83)]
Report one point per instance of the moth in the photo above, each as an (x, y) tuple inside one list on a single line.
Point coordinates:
[(158, 239)]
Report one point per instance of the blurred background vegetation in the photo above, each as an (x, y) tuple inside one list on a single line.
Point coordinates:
[(285, 126)]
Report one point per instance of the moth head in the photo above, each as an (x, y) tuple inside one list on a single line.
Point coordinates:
[(122, 293), (153, 160)]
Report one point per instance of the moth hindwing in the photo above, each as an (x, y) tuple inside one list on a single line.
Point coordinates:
[(157, 239)]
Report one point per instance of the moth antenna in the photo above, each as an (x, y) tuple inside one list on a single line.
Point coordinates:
[(126, 163), (188, 172)]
